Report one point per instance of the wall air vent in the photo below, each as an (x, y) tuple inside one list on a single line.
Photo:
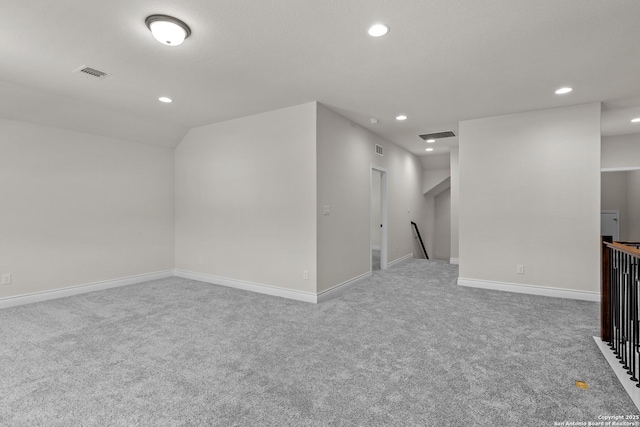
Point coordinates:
[(379, 150), (438, 135), (91, 72)]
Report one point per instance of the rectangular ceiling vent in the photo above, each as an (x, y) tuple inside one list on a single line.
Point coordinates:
[(379, 150), (438, 135), (92, 72)]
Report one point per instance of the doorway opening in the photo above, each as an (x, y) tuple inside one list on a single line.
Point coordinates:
[(610, 224), (378, 218)]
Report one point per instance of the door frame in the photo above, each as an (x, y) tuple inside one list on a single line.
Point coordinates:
[(384, 217)]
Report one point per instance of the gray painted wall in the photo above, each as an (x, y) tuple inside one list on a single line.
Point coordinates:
[(633, 204), (245, 202), (530, 194), (614, 197), (621, 151), (442, 235), (455, 202), (79, 208)]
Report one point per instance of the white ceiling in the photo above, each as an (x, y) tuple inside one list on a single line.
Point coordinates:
[(443, 61)]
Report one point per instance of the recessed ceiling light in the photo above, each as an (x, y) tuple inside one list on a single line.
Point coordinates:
[(429, 149), (401, 117), (431, 141), (378, 30), (563, 90), (168, 30), (636, 120), (165, 99)]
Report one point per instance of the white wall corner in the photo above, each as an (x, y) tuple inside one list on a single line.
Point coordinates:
[(82, 289), (455, 261), (249, 286), (400, 260), (339, 289), (530, 289)]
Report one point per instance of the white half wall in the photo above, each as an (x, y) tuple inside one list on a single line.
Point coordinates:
[(245, 201), (346, 152), (530, 195), (79, 209)]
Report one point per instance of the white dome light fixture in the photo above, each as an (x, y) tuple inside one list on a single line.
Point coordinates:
[(636, 120), (165, 99), (401, 117), (168, 30), (378, 30)]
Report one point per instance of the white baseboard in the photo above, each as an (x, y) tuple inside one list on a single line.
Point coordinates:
[(375, 247), (81, 289), (530, 289), (399, 260), (339, 289), (623, 377), (455, 261), (249, 286)]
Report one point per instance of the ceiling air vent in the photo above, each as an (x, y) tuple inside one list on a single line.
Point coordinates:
[(379, 150), (92, 72), (437, 135)]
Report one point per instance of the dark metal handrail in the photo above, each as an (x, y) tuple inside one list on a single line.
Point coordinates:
[(415, 226)]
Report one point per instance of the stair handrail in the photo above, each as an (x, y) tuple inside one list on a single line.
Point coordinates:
[(415, 226)]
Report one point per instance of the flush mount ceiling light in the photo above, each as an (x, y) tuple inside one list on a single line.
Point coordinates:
[(378, 30), (401, 117), (563, 90), (167, 29), (429, 149), (636, 120), (165, 99), (431, 141)]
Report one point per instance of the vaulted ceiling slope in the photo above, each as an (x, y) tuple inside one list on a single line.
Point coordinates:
[(443, 61)]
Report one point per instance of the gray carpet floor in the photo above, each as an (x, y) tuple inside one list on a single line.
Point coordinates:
[(408, 347)]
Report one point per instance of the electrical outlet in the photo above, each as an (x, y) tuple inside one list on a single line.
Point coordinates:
[(305, 274), (6, 279), (520, 269)]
